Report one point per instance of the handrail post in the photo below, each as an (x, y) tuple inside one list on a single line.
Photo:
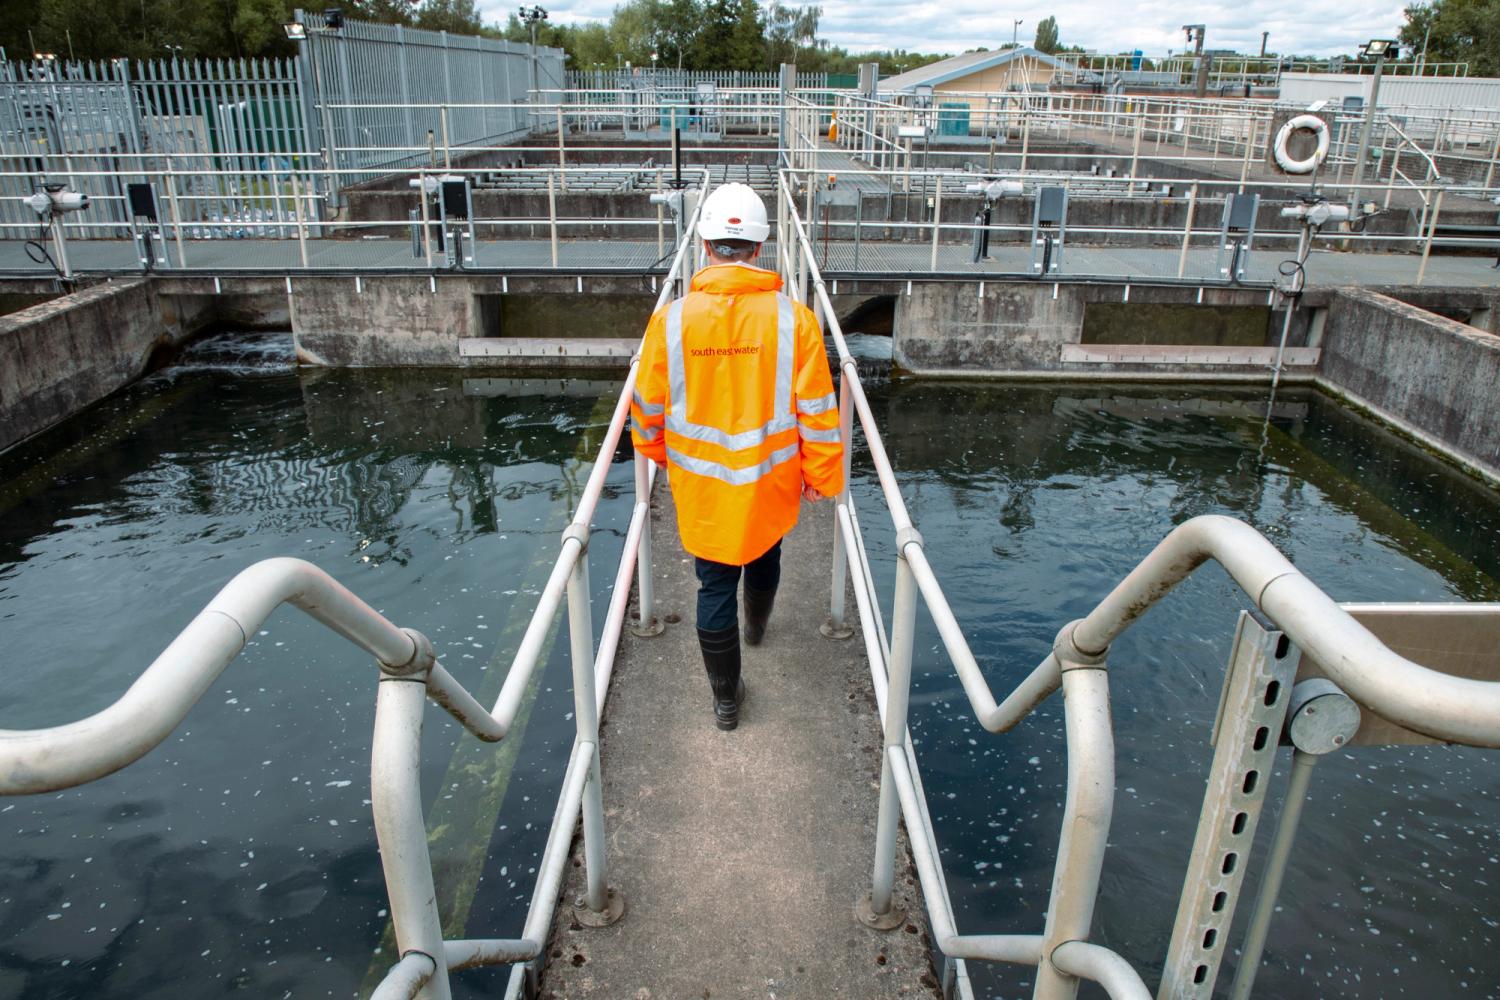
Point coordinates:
[(301, 230), (1251, 129), (878, 910), (601, 906), (937, 221), (1086, 814), (447, 150), (1431, 232), (396, 801), (646, 624), (1187, 230), (562, 157), (837, 626), (1135, 149), (169, 182), (552, 215)]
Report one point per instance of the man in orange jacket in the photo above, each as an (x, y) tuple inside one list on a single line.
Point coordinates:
[(734, 398)]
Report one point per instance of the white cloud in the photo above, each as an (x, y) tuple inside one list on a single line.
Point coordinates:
[(1153, 26)]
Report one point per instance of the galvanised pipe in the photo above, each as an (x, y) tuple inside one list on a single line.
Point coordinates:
[(1109, 970), (396, 801), (1087, 811), (455, 699), (406, 978), (586, 714), (903, 625), (644, 480), (1439, 705), (471, 954), (555, 856), (1023, 949), (1032, 691), (41, 760), (836, 610)]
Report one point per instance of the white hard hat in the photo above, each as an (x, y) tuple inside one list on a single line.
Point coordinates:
[(734, 212)]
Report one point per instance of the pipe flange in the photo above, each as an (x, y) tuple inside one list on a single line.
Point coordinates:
[(614, 909), (420, 664), (864, 913), (1069, 657), (578, 533), (908, 536)]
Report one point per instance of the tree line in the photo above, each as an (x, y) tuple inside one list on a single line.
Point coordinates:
[(686, 34)]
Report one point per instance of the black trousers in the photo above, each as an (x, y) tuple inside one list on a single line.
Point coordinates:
[(718, 587)]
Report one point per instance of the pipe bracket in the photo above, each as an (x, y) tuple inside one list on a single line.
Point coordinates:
[(420, 664), (908, 536), (577, 533), (1070, 657)]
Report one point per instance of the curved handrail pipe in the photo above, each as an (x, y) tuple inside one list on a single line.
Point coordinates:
[(42, 760), (1445, 707), (406, 978)]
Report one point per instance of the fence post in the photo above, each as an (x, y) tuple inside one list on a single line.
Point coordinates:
[(1432, 224)]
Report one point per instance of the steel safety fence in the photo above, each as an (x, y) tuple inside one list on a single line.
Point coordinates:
[(376, 90)]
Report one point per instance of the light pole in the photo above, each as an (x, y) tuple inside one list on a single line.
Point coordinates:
[(532, 16), (1381, 49), (1194, 34), (1015, 31)]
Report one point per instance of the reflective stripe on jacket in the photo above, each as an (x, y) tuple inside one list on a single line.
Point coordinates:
[(734, 397)]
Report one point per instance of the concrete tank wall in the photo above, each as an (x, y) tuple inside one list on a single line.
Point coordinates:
[(1433, 377), (61, 356)]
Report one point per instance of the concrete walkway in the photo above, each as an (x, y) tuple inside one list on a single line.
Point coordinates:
[(740, 855)]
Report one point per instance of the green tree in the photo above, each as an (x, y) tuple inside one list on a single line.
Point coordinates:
[(747, 39), (1456, 31), (457, 16), (1046, 35)]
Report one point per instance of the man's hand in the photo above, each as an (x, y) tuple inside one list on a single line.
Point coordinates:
[(811, 495)]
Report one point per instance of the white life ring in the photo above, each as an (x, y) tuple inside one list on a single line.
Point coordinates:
[(1285, 161)]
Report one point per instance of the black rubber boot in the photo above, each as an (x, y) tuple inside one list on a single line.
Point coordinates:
[(757, 613), (721, 658)]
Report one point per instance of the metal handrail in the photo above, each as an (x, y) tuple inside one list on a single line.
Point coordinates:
[(33, 761), (1424, 700)]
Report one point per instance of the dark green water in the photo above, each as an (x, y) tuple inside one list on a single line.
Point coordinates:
[(1034, 501), (239, 859)]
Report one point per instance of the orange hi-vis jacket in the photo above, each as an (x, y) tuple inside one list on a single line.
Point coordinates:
[(734, 398)]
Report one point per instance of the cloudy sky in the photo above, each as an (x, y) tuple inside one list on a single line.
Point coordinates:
[(1104, 25)]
